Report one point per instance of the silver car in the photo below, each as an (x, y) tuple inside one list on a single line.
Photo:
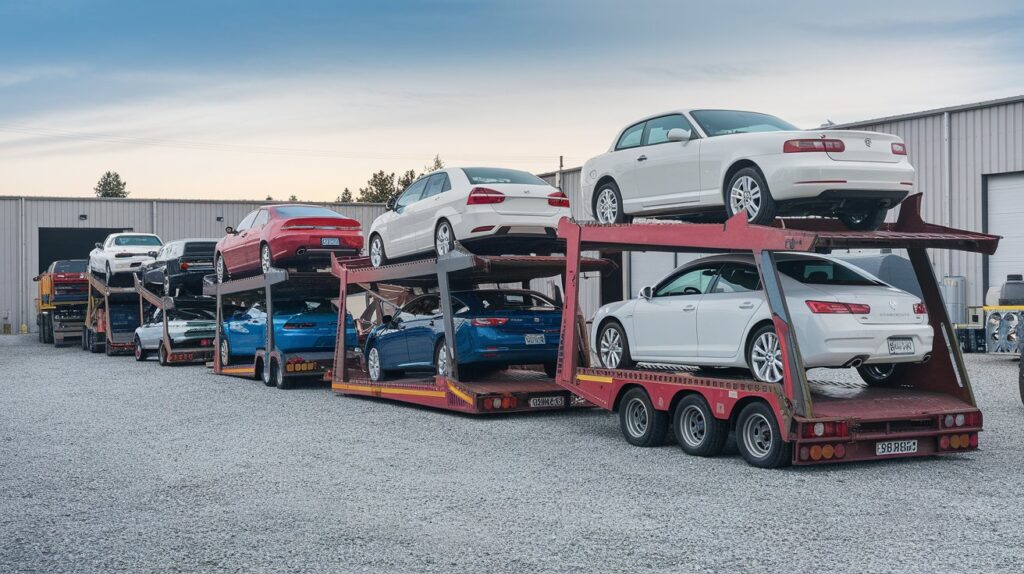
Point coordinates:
[(185, 326)]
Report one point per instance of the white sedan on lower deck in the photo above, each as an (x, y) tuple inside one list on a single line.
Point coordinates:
[(503, 210), (694, 161), (712, 312)]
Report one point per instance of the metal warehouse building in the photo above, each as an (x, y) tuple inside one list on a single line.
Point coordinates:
[(970, 167), (37, 230)]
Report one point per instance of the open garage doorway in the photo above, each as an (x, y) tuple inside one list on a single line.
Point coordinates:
[(56, 243)]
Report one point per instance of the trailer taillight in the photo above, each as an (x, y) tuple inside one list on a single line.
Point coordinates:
[(830, 429), (822, 452), (498, 403), (972, 419), (958, 441)]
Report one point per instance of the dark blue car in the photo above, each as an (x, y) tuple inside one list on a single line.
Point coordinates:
[(298, 326), (493, 329)]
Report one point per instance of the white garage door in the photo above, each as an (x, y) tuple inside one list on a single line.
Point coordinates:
[(1006, 218)]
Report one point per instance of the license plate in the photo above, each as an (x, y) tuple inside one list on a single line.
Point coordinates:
[(895, 447), (534, 339), (538, 402), (901, 346), (330, 241)]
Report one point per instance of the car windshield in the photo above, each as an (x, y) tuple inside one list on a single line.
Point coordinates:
[(306, 211), (508, 301), (724, 122), (485, 175), (823, 272), (72, 266), (133, 240)]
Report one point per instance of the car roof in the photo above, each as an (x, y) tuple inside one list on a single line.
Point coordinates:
[(749, 258)]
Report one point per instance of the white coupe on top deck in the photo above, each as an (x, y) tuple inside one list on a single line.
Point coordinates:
[(693, 161), (123, 253), (503, 211), (712, 312)]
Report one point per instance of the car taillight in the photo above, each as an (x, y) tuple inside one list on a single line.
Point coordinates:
[(298, 325), (837, 429), (830, 307), (183, 265), (558, 199), (799, 146), (484, 196), (920, 309), (899, 149), (489, 321)]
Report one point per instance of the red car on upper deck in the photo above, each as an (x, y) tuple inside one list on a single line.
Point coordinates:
[(288, 235)]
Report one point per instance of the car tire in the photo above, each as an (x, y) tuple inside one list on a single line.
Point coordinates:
[(747, 190), (84, 339), (444, 238), (374, 366), (224, 352), (279, 379), (764, 355), (697, 430), (867, 220), (613, 347), (378, 258), (608, 209), (140, 353), (641, 424), (551, 369), (266, 258), (1020, 378), (162, 355), (221, 269), (441, 359), (758, 438), (882, 375)]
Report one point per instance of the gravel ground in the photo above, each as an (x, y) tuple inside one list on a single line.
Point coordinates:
[(132, 467)]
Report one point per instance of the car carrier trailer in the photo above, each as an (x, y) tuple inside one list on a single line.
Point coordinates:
[(800, 421), (60, 305), (111, 317), (169, 353), (512, 390), (271, 365)]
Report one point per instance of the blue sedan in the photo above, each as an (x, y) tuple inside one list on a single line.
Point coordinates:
[(493, 329), (298, 326)]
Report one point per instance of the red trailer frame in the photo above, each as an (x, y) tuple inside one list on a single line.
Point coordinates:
[(97, 319), (508, 391), (168, 353), (853, 422)]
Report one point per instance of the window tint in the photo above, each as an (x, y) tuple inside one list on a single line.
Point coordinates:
[(412, 193), (657, 129), (735, 278), (246, 222), (485, 175), (261, 218), (288, 211), (631, 137), (72, 266), (136, 240), (438, 183), (510, 301), (823, 272), (724, 122), (691, 282)]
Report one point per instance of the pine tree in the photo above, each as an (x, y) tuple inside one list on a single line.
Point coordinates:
[(111, 185), (379, 188), (345, 197)]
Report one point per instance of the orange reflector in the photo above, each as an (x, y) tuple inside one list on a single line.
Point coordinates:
[(827, 451), (965, 441), (954, 441), (816, 452)]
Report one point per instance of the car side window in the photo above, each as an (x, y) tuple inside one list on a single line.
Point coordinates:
[(693, 281), (246, 222), (412, 194), (438, 184), (657, 129), (632, 137), (736, 278), (262, 216)]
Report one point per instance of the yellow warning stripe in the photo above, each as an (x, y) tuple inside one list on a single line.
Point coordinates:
[(386, 390), (594, 378), (238, 370), (458, 392)]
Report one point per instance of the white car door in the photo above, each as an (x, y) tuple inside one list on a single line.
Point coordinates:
[(726, 311), (401, 233), (665, 326), (424, 212), (624, 165), (669, 173)]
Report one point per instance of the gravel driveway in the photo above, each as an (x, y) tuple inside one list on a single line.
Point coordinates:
[(109, 465)]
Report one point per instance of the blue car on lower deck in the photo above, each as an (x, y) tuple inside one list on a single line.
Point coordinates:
[(299, 325), (493, 329)]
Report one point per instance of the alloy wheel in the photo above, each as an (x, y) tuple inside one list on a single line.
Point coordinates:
[(225, 354), (745, 195), (220, 269), (766, 358), (637, 417), (693, 426), (442, 360), (265, 261), (611, 348), (376, 252), (373, 364), (757, 435), (607, 206), (443, 239)]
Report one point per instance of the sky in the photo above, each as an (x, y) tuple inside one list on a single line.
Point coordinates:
[(241, 99)]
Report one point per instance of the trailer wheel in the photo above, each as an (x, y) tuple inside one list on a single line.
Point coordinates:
[(1020, 378), (758, 437), (108, 349), (697, 430), (640, 422), (140, 353), (263, 370), (162, 354), (84, 339), (885, 375), (278, 371)]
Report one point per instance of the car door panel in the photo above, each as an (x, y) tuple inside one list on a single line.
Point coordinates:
[(671, 173), (665, 325), (726, 312), (401, 230)]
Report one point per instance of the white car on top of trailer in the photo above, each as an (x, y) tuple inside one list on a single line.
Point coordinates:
[(699, 161), (123, 253), (712, 312), (483, 205)]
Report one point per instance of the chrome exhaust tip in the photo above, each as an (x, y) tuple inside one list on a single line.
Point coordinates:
[(926, 358), (300, 251), (856, 363)]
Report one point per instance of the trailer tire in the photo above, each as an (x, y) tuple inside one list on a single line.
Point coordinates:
[(107, 349), (1020, 378), (140, 353), (758, 437), (277, 369), (885, 375), (697, 430), (84, 339), (263, 371), (47, 329), (641, 424), (162, 354)]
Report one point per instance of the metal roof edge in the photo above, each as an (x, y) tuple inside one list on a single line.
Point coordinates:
[(933, 112), (171, 200)]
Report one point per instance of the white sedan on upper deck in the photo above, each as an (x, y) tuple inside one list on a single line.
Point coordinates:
[(123, 253), (504, 211), (693, 161)]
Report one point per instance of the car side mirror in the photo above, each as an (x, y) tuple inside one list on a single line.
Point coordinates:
[(37, 277), (391, 202), (647, 292), (386, 319), (152, 254), (99, 245), (230, 230), (679, 135)]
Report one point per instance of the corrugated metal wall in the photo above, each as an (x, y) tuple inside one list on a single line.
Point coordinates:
[(169, 219)]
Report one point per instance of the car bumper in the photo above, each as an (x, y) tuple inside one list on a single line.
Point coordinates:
[(812, 174), (842, 340), (127, 264), (308, 246)]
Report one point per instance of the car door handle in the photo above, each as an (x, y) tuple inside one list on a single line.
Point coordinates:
[(689, 308), (746, 305), (642, 158)]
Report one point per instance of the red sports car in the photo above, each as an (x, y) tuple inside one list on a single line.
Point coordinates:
[(289, 235)]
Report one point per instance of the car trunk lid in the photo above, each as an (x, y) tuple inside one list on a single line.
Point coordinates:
[(524, 199), (864, 146), (324, 223)]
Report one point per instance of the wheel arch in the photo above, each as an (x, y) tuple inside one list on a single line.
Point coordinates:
[(749, 337), (612, 319), (682, 394), (623, 390), (741, 404), (593, 192), (736, 166)]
